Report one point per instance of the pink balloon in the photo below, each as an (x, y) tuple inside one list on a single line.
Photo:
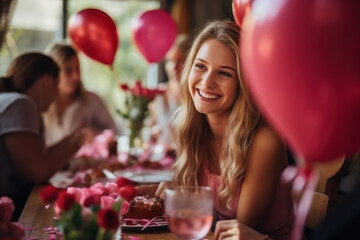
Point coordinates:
[(302, 60), (154, 33), (94, 33), (239, 9)]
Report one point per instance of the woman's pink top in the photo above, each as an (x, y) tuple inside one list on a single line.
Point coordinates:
[(279, 222)]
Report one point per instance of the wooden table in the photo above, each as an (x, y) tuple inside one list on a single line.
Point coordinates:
[(36, 217)]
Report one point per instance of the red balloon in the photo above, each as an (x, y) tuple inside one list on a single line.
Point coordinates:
[(302, 60), (94, 33), (154, 33), (240, 8)]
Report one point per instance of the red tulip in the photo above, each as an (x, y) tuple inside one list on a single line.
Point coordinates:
[(128, 192), (108, 219), (122, 182), (65, 201), (49, 193), (124, 87), (91, 200)]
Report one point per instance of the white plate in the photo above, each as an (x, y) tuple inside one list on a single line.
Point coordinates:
[(146, 176), (135, 224), (62, 179)]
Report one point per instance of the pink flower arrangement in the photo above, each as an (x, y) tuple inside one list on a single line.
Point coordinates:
[(136, 106), (139, 90), (94, 212), (9, 230)]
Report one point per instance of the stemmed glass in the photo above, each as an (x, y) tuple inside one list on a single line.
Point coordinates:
[(189, 211)]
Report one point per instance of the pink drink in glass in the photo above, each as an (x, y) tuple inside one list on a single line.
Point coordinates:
[(187, 224), (189, 211)]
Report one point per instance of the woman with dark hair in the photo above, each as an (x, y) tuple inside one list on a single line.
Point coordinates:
[(27, 89), (74, 106)]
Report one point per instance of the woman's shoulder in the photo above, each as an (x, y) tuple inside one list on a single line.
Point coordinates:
[(268, 142), (268, 151), (16, 100), (90, 99), (265, 136)]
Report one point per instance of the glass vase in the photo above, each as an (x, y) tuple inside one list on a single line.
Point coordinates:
[(117, 234), (135, 134)]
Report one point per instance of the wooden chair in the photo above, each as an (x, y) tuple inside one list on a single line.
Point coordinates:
[(326, 192)]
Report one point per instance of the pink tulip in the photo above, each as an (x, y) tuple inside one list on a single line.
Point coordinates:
[(107, 202), (76, 191), (11, 229), (112, 189), (124, 207), (6, 208), (137, 90), (98, 188)]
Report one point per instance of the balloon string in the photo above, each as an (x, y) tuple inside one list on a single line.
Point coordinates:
[(304, 183), (114, 73)]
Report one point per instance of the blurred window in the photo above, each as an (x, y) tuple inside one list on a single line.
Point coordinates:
[(36, 24)]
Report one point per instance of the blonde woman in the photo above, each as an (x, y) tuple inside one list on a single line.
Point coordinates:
[(74, 107), (27, 89), (224, 143)]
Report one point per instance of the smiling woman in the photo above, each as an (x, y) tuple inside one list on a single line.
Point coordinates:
[(223, 142), (213, 81)]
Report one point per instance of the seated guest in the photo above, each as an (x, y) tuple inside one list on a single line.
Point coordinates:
[(163, 107), (27, 90), (223, 141), (74, 106)]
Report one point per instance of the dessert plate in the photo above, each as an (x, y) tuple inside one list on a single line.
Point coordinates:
[(143, 223), (147, 176)]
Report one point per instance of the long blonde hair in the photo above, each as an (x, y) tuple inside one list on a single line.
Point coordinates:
[(193, 133)]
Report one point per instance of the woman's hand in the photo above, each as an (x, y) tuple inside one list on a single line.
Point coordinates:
[(153, 190), (233, 230), (160, 191), (146, 189), (227, 229)]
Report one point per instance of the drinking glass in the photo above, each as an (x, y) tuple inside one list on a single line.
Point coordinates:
[(189, 211)]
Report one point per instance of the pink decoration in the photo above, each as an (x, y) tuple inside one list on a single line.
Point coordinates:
[(11, 229), (240, 8), (98, 148), (302, 59), (304, 183), (107, 202), (154, 33), (6, 208), (95, 34)]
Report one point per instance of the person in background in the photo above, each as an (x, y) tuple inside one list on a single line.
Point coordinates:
[(27, 89), (74, 107), (163, 107), (224, 143)]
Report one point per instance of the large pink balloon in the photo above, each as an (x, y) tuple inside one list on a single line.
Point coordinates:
[(154, 33), (240, 8), (302, 60), (95, 34)]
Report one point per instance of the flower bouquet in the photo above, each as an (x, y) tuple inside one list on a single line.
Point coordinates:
[(90, 213), (136, 107)]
